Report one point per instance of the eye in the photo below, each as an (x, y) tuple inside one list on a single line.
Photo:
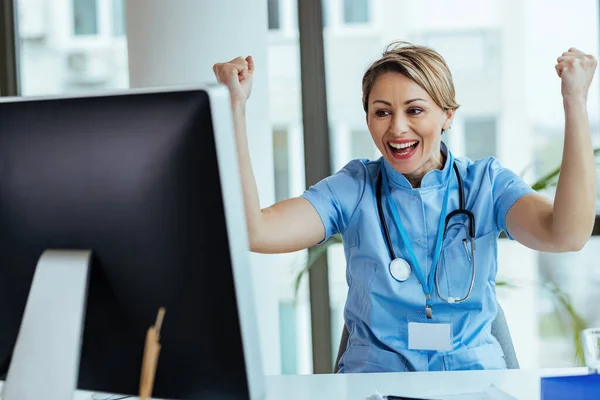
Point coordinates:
[(415, 111), (382, 113)]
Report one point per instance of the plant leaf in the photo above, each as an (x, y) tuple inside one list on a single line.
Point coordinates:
[(577, 322), (314, 254), (551, 178), (506, 284)]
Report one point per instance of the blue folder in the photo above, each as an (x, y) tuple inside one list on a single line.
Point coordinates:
[(577, 387)]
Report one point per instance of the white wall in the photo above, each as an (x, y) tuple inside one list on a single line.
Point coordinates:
[(171, 44), (548, 42)]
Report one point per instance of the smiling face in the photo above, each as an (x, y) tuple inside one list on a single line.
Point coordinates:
[(406, 125)]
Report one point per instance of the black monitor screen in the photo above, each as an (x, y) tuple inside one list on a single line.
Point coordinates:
[(134, 178)]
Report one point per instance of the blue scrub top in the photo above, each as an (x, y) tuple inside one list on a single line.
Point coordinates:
[(378, 307)]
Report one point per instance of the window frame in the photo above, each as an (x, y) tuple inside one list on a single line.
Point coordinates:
[(105, 13), (343, 13), (73, 24), (9, 51), (279, 16), (338, 27), (288, 27), (475, 119)]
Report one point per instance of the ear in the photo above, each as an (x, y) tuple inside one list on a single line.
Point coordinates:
[(448, 120)]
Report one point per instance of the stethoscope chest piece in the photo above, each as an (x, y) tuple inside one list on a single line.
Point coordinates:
[(400, 269)]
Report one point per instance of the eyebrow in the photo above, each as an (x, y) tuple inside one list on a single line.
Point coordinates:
[(406, 102)]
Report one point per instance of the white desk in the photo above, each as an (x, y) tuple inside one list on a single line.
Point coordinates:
[(520, 384)]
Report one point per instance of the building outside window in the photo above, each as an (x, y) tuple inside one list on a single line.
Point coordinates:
[(356, 11), (480, 137), (274, 17), (281, 164), (85, 17), (80, 44)]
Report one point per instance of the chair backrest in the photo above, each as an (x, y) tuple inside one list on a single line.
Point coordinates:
[(502, 334), (499, 330)]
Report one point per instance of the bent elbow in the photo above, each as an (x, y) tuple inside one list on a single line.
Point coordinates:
[(259, 242), (252, 245), (573, 244), (571, 238), (259, 247), (578, 245), (581, 238), (254, 230), (254, 242)]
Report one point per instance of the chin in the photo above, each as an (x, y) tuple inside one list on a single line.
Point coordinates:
[(404, 165)]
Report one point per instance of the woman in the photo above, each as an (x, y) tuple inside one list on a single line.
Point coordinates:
[(422, 288)]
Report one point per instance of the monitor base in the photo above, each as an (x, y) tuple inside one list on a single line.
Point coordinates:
[(46, 356)]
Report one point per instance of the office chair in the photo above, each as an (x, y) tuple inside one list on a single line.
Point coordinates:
[(499, 330)]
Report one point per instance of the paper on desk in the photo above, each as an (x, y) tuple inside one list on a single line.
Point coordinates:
[(493, 393)]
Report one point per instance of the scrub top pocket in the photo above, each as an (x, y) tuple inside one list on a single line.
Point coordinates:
[(486, 356), (455, 268)]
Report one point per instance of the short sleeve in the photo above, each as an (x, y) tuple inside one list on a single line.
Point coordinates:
[(336, 197), (507, 188)]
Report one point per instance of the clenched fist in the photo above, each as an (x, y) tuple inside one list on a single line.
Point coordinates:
[(237, 76), (576, 71)]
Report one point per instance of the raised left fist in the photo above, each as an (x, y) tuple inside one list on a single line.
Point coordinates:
[(576, 71)]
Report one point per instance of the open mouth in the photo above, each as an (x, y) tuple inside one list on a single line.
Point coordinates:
[(403, 149)]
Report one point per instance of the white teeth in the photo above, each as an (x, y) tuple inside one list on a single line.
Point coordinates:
[(403, 145)]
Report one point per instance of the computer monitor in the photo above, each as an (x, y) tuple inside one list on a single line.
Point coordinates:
[(148, 180)]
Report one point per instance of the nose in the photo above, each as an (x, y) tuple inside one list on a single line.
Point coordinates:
[(399, 124)]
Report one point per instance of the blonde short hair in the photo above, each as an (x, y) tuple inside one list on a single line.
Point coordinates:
[(421, 64)]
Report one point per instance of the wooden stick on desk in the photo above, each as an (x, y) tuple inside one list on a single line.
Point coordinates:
[(150, 360), (159, 321)]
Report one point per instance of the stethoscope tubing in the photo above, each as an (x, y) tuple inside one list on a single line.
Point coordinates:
[(460, 210)]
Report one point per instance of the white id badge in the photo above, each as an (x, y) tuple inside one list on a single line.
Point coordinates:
[(426, 334)]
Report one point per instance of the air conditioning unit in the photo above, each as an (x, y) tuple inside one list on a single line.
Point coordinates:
[(87, 67)]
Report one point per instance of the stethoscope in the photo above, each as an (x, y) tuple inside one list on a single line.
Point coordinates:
[(400, 269)]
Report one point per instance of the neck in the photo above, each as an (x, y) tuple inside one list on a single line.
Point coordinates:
[(435, 162)]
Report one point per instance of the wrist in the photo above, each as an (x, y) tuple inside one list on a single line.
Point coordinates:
[(574, 100), (238, 107)]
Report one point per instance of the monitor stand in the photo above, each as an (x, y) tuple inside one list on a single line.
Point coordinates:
[(46, 356)]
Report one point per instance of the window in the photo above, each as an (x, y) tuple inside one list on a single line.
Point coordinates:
[(80, 44), (85, 17), (325, 12), (281, 164), (118, 17), (285, 120), (274, 16), (463, 51), (356, 11), (361, 145), (288, 341), (337, 327), (503, 104), (480, 137)]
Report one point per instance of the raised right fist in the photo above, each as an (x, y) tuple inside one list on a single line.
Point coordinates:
[(237, 76)]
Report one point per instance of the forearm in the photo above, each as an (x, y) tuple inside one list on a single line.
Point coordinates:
[(574, 203), (249, 188)]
